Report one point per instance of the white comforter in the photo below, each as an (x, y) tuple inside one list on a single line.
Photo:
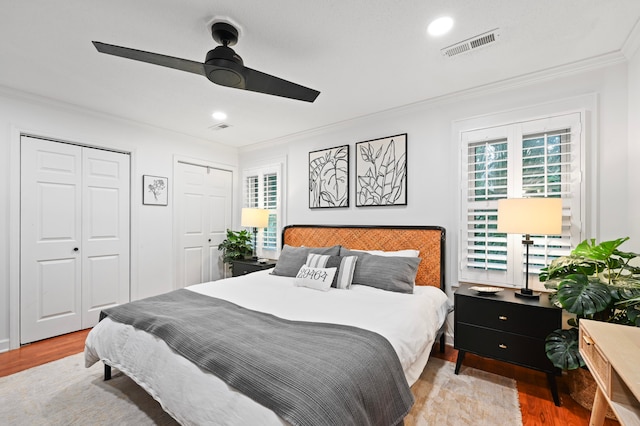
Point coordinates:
[(192, 396)]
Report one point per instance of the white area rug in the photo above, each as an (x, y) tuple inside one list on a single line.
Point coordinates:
[(63, 392), (473, 397)]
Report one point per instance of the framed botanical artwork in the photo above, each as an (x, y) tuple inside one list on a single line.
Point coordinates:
[(329, 177), (381, 172), (155, 190)]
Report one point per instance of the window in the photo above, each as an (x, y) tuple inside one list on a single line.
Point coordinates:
[(537, 158), (262, 188)]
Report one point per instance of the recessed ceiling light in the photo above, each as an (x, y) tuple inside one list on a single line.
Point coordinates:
[(440, 26), (219, 115)]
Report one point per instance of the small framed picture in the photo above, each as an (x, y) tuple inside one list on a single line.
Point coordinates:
[(381, 172), (155, 190)]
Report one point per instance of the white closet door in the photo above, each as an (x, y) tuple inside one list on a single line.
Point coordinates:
[(203, 210), (74, 258), (50, 267), (105, 232)]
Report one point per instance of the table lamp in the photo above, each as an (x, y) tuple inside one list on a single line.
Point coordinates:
[(538, 216), (254, 218)]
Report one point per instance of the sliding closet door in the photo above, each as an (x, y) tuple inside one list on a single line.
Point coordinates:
[(74, 243), (203, 210)]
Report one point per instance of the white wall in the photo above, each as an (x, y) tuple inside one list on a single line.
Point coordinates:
[(633, 158), (433, 156), (433, 177), (153, 151)]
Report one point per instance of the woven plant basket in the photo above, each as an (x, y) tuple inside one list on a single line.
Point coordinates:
[(582, 388)]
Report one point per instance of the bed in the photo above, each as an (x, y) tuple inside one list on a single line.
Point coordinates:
[(404, 321)]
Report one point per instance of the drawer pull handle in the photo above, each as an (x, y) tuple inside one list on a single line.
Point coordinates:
[(502, 317), (587, 340), (502, 346)]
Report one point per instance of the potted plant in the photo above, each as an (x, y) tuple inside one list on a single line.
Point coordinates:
[(236, 246), (598, 282)]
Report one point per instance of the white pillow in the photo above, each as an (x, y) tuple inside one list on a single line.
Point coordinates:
[(397, 253), (315, 278)]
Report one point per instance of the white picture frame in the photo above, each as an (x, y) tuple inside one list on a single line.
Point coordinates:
[(155, 190)]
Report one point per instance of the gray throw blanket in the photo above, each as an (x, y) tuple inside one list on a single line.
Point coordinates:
[(307, 373)]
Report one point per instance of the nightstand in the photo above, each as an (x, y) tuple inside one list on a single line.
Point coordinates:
[(246, 266), (507, 328)]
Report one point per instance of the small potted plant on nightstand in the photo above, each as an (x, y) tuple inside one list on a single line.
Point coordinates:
[(236, 246), (597, 282)]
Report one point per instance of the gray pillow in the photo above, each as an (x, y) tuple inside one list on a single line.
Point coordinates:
[(387, 273), (292, 258), (345, 267)]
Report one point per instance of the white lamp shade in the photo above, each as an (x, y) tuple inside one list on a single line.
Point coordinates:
[(254, 218), (538, 216)]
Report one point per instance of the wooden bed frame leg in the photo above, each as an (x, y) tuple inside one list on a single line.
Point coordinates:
[(107, 372)]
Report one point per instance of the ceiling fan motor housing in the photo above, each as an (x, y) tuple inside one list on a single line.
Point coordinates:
[(224, 67)]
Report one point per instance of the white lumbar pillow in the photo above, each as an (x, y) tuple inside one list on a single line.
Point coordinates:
[(315, 278)]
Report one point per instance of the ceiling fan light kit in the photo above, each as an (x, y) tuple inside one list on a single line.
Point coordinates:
[(222, 66)]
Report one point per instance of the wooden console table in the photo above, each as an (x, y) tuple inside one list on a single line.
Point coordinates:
[(611, 353)]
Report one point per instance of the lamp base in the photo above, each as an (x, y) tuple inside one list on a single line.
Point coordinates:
[(527, 293)]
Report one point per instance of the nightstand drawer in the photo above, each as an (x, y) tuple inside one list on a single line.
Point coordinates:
[(514, 348), (513, 318)]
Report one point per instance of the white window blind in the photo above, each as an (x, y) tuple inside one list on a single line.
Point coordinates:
[(270, 202), (262, 188), (537, 158)]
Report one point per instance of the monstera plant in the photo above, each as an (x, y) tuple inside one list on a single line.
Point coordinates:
[(598, 282)]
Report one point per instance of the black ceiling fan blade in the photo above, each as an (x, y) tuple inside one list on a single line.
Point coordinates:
[(257, 81), (151, 58)]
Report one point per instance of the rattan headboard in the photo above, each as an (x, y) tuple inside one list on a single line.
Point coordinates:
[(429, 240)]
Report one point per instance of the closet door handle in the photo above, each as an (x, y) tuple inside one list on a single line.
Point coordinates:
[(76, 249), (209, 239)]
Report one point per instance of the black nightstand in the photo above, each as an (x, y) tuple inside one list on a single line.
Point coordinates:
[(246, 266), (506, 328)]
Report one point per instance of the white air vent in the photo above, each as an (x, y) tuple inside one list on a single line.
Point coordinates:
[(219, 126), (472, 43)]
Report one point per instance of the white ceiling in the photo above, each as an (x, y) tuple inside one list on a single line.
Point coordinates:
[(364, 56)]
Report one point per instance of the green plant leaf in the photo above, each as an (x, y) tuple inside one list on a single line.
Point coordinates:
[(237, 245), (633, 313), (602, 251), (563, 350), (581, 296), (572, 264)]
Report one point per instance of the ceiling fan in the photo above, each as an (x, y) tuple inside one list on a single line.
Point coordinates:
[(222, 66)]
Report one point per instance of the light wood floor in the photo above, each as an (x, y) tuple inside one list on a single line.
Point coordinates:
[(535, 398)]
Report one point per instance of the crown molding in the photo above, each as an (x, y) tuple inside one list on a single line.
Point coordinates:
[(632, 43), (20, 95), (578, 67)]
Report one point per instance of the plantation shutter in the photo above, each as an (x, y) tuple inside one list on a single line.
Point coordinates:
[(537, 158), (262, 190), (270, 234), (486, 158), (251, 191)]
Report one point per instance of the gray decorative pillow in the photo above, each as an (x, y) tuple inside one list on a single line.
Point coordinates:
[(292, 258), (387, 273), (345, 265)]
